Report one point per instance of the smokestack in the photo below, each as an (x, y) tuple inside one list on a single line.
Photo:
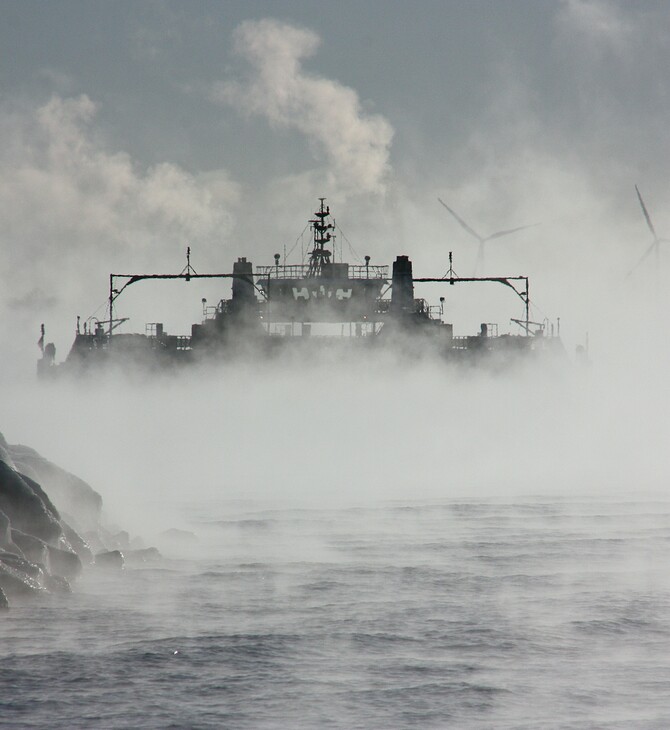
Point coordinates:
[(402, 292), (243, 285)]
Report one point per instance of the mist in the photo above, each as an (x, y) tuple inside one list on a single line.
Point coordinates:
[(80, 199), (387, 540), (341, 432)]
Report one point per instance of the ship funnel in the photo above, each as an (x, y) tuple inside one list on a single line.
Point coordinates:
[(243, 285), (402, 292)]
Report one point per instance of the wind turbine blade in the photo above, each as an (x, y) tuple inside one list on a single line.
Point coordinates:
[(500, 234), (646, 214), (462, 222), (653, 246)]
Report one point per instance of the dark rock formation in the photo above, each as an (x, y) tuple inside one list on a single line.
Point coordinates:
[(20, 577), (72, 494), (6, 542), (4, 452), (63, 563), (41, 543), (57, 584), (79, 545), (31, 547), (110, 559), (25, 506)]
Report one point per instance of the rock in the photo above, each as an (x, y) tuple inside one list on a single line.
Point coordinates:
[(145, 555), (34, 570), (110, 559), (11, 549), (122, 540), (95, 542), (41, 543), (63, 564), (112, 539), (15, 582), (72, 494), (43, 496), (4, 452), (79, 545), (57, 584), (32, 547), (5, 534), (22, 503)]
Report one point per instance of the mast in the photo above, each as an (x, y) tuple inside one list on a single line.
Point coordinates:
[(322, 235)]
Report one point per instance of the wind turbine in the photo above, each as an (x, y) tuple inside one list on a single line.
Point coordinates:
[(655, 244), (483, 239)]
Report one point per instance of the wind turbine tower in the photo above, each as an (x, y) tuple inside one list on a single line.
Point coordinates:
[(483, 239)]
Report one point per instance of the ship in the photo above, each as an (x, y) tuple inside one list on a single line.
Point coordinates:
[(319, 305)]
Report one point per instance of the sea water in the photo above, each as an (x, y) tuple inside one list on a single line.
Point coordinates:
[(491, 613)]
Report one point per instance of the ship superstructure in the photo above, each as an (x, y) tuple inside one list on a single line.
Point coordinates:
[(283, 306)]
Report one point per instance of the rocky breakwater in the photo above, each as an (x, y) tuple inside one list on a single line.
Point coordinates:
[(50, 526)]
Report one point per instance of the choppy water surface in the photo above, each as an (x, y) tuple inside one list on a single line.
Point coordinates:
[(523, 613)]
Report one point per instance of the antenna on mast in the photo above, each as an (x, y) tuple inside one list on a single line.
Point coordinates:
[(451, 274), (188, 270), (322, 235)]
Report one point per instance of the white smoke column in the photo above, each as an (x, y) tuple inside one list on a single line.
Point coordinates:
[(355, 145)]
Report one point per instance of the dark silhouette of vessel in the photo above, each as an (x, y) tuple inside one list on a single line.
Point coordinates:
[(279, 308)]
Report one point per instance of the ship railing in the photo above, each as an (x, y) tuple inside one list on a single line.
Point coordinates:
[(460, 342), (421, 306), (160, 339), (463, 342), (285, 331), (287, 271), (368, 272), (301, 271), (432, 311)]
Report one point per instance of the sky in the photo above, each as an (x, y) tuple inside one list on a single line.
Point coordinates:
[(129, 130)]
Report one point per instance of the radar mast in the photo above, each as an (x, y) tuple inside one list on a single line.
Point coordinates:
[(322, 235)]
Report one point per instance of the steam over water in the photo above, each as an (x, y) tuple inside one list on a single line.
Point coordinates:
[(375, 547), (482, 613), (380, 544)]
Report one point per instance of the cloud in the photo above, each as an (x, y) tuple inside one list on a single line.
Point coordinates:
[(68, 204), (599, 20), (355, 145)]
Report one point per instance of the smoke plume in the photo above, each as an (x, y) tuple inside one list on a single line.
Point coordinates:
[(353, 144)]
